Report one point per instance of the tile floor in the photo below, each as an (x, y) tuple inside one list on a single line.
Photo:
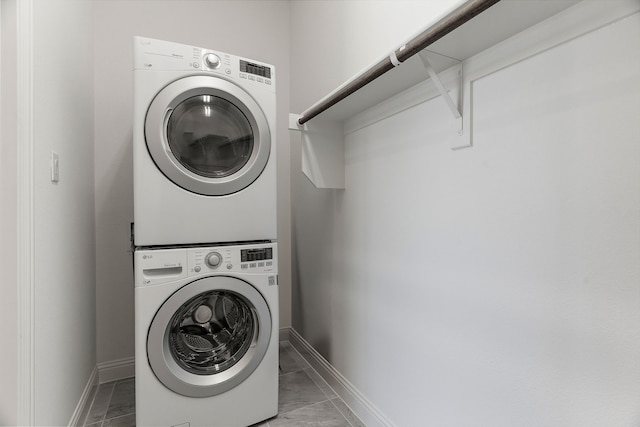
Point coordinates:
[(305, 400)]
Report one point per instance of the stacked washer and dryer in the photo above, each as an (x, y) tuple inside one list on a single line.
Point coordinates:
[(205, 260)]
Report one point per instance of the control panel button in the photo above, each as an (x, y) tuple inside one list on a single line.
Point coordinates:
[(213, 259), (212, 60)]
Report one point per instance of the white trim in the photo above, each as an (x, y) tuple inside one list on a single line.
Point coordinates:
[(85, 401), (574, 22), (26, 277), (0, 78), (370, 415), (571, 23), (284, 334), (116, 370)]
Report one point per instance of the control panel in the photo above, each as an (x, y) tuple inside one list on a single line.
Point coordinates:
[(156, 266), (246, 259), (159, 55)]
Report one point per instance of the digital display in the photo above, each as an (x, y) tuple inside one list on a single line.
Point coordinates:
[(248, 255), (258, 70)]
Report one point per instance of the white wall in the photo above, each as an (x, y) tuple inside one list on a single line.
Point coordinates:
[(63, 223), (8, 215), (255, 29), (333, 40), (496, 285)]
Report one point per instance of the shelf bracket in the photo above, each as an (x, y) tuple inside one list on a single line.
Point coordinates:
[(440, 86), (443, 90), (322, 151)]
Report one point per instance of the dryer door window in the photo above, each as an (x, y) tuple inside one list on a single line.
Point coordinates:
[(209, 336), (210, 136), (207, 135)]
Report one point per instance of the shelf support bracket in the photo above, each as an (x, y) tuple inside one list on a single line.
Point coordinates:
[(443, 90), (322, 151)]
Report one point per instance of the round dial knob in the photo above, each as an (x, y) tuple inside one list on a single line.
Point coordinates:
[(213, 260), (212, 60)]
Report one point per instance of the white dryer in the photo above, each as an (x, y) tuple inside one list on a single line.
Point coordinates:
[(203, 146), (206, 335)]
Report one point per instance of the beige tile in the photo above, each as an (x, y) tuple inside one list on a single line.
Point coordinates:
[(100, 404), (323, 414), (124, 421), (296, 391), (123, 400), (347, 413), (321, 383)]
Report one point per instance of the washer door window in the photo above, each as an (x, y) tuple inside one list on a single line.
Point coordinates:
[(209, 336), (207, 135)]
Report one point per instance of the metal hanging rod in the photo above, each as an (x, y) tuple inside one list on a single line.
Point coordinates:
[(432, 34)]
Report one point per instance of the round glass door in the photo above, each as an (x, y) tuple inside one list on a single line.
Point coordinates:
[(209, 336), (211, 332), (210, 136), (207, 135)]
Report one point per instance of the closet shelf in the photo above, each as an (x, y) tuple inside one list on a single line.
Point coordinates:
[(497, 22)]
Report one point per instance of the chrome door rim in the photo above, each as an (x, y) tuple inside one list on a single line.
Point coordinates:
[(180, 381), (156, 135)]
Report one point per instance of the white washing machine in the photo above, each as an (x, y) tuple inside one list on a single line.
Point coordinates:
[(206, 335), (203, 146)]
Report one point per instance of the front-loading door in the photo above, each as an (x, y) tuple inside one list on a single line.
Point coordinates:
[(209, 336), (207, 135)]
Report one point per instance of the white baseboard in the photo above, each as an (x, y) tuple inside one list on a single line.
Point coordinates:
[(284, 334), (77, 419), (103, 373), (116, 370), (357, 402)]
